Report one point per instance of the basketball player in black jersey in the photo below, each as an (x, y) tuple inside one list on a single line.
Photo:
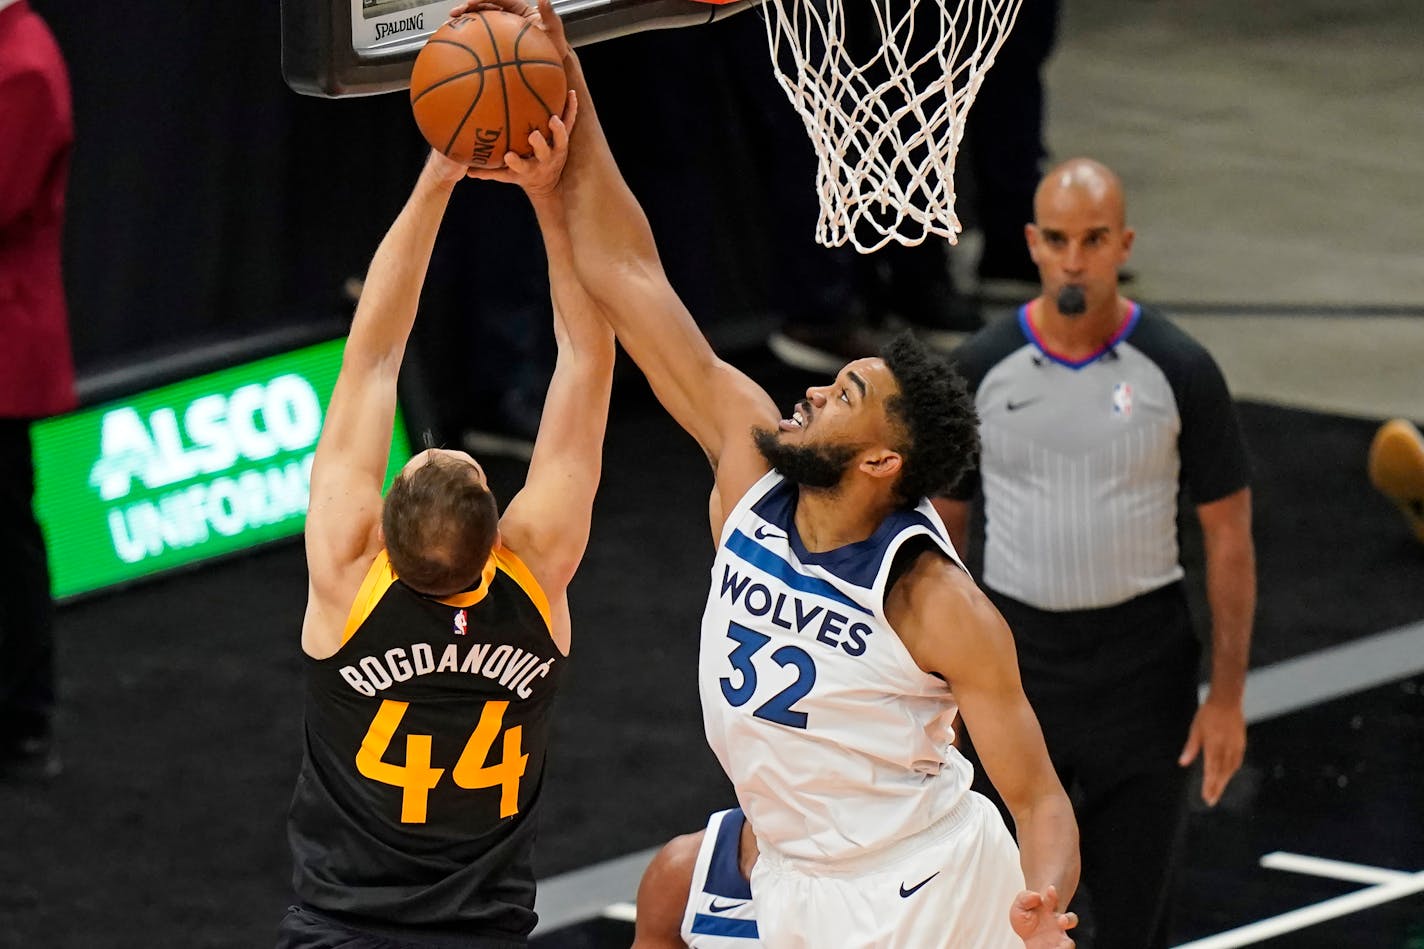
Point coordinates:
[(436, 630)]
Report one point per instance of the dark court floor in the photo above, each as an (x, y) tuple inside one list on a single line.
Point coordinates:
[(1272, 154), (181, 713)]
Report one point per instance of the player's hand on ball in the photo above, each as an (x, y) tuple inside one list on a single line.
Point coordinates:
[(447, 171), (539, 174), (544, 17), (1036, 920)]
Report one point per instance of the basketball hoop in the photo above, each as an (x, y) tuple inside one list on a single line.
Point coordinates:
[(885, 121)]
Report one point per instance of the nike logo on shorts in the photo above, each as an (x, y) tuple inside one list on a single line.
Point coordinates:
[(724, 907), (905, 894)]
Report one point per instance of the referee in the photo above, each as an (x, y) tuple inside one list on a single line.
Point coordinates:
[(1094, 413)]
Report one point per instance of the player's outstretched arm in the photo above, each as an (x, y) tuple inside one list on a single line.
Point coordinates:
[(617, 260), (979, 663), (547, 523), (344, 511), (663, 894)]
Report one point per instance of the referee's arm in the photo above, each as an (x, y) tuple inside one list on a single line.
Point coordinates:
[(1218, 732), (955, 514), (1215, 474)]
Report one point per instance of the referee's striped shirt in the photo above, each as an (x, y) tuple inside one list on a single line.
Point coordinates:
[(1082, 461)]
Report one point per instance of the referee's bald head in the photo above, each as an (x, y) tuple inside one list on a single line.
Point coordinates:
[(1079, 178)]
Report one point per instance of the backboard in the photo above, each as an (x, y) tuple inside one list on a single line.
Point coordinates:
[(338, 48)]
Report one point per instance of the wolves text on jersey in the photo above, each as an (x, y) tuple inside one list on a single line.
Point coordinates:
[(792, 613), (511, 666)]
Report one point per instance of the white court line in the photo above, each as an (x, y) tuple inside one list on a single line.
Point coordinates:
[(583, 894), (623, 912), (1311, 915), (1335, 869), (1285, 687)]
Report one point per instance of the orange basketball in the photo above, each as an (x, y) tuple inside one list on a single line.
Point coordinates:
[(482, 83)]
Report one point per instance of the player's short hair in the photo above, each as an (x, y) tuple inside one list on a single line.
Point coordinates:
[(934, 415), (440, 525)]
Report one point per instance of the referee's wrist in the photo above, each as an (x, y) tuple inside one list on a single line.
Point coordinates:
[(1233, 693)]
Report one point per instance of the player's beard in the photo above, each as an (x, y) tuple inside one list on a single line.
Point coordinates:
[(810, 466)]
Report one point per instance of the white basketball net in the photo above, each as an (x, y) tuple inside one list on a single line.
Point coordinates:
[(886, 128)]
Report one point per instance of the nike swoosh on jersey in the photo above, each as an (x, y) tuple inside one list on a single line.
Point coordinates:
[(762, 533), (904, 893), (1013, 406), (723, 908)]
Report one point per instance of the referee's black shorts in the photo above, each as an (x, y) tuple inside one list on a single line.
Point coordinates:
[(1114, 689)]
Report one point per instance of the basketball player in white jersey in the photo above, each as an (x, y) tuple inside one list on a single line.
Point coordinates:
[(696, 893), (841, 632)]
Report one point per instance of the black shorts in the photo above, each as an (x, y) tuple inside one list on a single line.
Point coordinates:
[(307, 928), (1113, 688)]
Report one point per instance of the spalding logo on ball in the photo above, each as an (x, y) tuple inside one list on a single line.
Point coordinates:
[(482, 83)]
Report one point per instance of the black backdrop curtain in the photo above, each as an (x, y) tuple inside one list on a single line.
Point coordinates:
[(209, 202), (206, 200)]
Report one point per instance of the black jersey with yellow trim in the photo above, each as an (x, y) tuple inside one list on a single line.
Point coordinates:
[(425, 740)]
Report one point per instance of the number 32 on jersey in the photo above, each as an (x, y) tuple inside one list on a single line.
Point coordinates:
[(416, 777), (778, 708)]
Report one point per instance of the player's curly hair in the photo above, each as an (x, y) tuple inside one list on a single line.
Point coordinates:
[(935, 416), (440, 524)]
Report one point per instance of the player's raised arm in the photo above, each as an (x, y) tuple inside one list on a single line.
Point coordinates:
[(617, 260), (547, 523), (344, 512)]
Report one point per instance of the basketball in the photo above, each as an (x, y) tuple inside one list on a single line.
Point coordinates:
[(482, 83)]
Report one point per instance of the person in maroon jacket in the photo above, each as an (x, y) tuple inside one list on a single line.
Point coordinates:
[(36, 369)]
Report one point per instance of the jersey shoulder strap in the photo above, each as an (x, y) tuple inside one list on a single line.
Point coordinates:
[(766, 485)]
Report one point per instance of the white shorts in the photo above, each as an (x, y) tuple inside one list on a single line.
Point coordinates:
[(948, 887)]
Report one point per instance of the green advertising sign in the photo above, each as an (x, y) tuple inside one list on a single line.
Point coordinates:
[(186, 471)]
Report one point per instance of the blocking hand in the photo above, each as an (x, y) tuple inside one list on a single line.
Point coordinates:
[(543, 17)]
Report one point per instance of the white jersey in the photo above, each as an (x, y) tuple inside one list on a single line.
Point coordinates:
[(836, 741), (720, 912)]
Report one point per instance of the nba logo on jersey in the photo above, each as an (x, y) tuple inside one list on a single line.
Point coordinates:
[(1122, 400), (461, 622)]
